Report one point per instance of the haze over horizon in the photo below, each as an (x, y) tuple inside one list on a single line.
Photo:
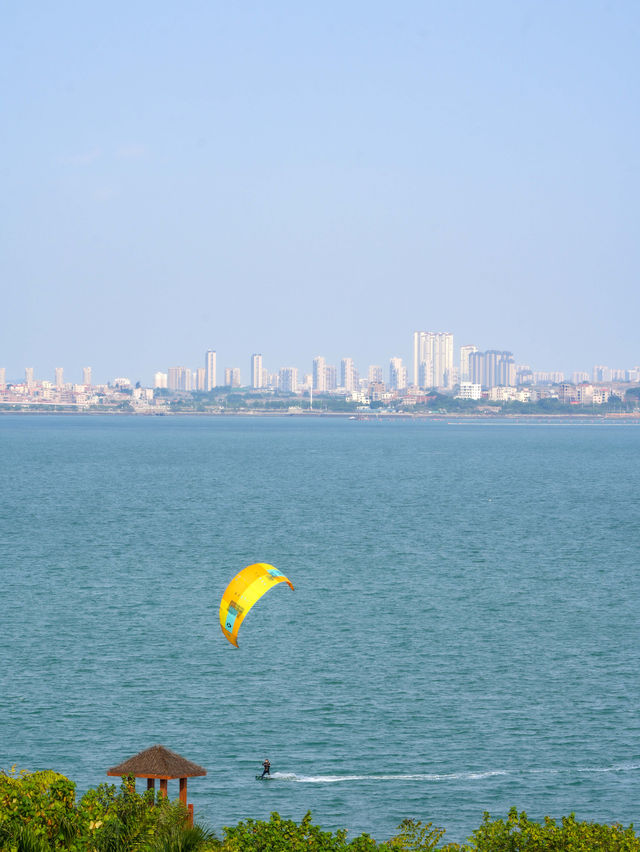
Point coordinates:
[(324, 180)]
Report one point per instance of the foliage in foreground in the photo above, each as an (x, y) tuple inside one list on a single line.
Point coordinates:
[(520, 834), (38, 813), (515, 834)]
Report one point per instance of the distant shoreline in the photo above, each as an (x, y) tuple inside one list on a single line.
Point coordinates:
[(451, 417)]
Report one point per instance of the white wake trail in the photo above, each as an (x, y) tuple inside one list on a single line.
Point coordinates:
[(432, 777)]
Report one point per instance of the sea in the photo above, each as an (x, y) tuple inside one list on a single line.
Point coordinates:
[(463, 635)]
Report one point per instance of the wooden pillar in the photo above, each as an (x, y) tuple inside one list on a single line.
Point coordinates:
[(151, 783), (163, 787), (183, 791), (190, 816)]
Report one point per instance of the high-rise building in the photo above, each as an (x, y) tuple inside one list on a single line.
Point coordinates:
[(201, 379), (232, 377), (256, 371), (493, 368), (210, 381), (433, 359), (633, 374), (548, 378), (86, 376), (305, 384), (397, 374), (59, 380), (507, 370), (375, 374), (319, 374), (332, 377), (273, 380), (601, 373), (465, 352), (3, 378), (524, 374), (160, 380), (348, 375), (289, 379), (179, 378), (476, 368), (578, 377), (28, 376)]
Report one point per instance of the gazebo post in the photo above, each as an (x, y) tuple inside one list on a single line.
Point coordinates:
[(151, 783), (163, 787), (183, 791)]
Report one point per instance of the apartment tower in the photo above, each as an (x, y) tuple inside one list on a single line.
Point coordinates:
[(432, 359), (210, 370), (257, 373), (319, 374)]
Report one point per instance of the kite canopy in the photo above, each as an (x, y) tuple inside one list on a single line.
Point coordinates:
[(243, 591)]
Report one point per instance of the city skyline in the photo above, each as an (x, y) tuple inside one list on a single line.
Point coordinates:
[(318, 182), (436, 361)]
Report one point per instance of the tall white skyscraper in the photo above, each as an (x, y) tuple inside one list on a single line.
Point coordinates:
[(289, 379), (432, 359), (375, 374), (86, 376), (28, 376), (59, 371), (465, 352), (232, 377), (256, 371), (348, 375), (493, 368), (210, 381), (397, 374), (499, 369), (179, 378), (319, 374), (160, 380), (601, 373), (3, 378)]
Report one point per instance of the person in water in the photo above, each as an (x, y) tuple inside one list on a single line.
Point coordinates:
[(267, 768)]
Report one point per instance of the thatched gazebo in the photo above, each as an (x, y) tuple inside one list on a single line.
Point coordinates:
[(161, 763)]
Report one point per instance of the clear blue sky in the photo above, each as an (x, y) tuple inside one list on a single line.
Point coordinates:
[(317, 178)]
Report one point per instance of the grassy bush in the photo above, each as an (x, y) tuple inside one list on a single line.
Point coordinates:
[(39, 813)]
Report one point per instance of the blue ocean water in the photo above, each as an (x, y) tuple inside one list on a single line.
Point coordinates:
[(463, 635)]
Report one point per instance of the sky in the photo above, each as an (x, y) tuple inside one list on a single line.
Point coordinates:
[(324, 178)]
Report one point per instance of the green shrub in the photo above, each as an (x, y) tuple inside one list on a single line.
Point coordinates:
[(280, 835), (519, 834), (38, 812)]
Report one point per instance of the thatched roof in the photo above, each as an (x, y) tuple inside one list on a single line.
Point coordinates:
[(158, 762)]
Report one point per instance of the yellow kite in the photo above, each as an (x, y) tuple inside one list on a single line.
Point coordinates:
[(243, 591)]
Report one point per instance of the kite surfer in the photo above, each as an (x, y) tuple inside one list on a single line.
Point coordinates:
[(267, 768)]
